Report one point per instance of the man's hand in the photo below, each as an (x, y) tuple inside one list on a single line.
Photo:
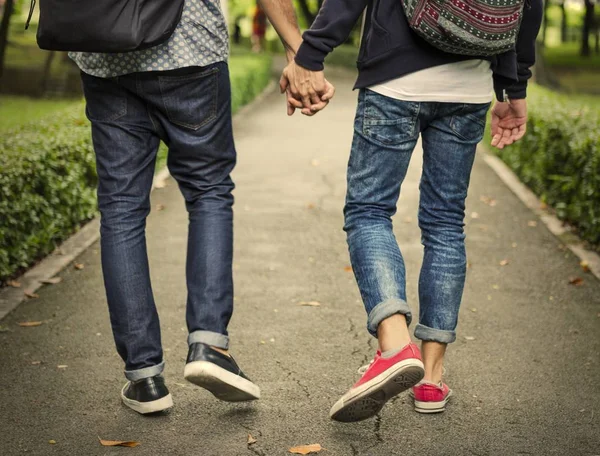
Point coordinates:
[(509, 122), (305, 89)]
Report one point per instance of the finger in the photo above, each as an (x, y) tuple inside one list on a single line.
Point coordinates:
[(283, 83), (495, 140), (521, 132), (329, 93), (319, 106), (307, 112), (290, 109), (315, 99)]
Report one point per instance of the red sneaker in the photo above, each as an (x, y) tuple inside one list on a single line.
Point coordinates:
[(431, 398), (383, 379)]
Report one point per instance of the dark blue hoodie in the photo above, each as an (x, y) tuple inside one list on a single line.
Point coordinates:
[(391, 49)]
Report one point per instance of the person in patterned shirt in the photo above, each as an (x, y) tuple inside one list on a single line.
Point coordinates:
[(177, 92)]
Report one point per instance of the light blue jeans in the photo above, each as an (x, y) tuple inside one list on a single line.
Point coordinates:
[(386, 131)]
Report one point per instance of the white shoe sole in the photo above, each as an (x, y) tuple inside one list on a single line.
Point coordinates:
[(145, 408), (369, 398), (432, 407), (220, 382)]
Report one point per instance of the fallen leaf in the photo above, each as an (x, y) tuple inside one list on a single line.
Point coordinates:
[(348, 269), (79, 266), (62, 366), (123, 443), (469, 338), (532, 223), (310, 206), (29, 324), (306, 449), (251, 440), (262, 342), (577, 281), (474, 215), (31, 294), (504, 262), (473, 309), (36, 363), (585, 266), (272, 340), (14, 284), (487, 200), (160, 207), (52, 442), (52, 281), (309, 303)]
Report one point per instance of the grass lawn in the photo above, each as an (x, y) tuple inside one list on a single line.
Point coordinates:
[(15, 111)]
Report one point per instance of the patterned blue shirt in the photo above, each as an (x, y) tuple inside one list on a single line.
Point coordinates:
[(200, 39)]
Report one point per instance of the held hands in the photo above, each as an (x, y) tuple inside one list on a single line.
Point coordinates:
[(306, 90), (509, 122)]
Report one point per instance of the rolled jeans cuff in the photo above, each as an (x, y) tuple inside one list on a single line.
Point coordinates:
[(385, 310), (146, 372), (209, 338), (428, 334)]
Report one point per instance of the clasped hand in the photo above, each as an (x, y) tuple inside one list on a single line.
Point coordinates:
[(306, 90)]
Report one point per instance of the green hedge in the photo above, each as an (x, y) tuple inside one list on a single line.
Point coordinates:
[(559, 158), (48, 176)]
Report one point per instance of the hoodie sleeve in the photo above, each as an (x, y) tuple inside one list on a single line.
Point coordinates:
[(525, 50), (331, 28)]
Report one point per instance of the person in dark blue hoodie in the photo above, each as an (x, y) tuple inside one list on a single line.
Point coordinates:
[(410, 89)]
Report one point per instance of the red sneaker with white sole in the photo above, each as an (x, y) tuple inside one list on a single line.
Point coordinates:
[(383, 379), (431, 398)]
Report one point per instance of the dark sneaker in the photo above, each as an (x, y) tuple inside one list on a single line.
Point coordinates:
[(149, 395), (383, 379), (219, 374)]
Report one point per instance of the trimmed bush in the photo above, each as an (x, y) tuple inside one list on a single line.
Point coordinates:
[(559, 158), (48, 174)]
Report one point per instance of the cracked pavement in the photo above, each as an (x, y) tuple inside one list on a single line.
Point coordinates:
[(525, 380)]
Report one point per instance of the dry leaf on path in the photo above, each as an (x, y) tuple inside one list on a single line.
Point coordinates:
[(306, 449), (504, 262), (36, 363), (251, 440), (52, 281), (31, 294), (577, 281), (309, 303), (14, 284), (160, 207), (585, 266), (469, 338), (52, 442), (30, 324), (79, 266), (62, 366), (123, 443), (348, 269)]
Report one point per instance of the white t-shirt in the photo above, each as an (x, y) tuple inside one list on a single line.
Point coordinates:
[(469, 81)]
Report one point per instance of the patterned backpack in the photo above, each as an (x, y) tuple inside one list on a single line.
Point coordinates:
[(467, 27)]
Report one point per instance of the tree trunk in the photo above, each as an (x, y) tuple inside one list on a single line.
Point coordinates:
[(4, 26), (306, 12), (588, 25), (563, 23), (545, 29)]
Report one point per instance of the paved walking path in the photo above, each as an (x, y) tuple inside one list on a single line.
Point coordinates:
[(525, 367)]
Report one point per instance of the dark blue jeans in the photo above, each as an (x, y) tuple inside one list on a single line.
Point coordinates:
[(188, 109), (386, 132)]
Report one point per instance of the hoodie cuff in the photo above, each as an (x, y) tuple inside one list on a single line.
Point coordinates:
[(506, 87), (310, 57)]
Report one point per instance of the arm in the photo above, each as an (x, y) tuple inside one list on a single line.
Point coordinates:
[(509, 116), (283, 17), (330, 29)]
